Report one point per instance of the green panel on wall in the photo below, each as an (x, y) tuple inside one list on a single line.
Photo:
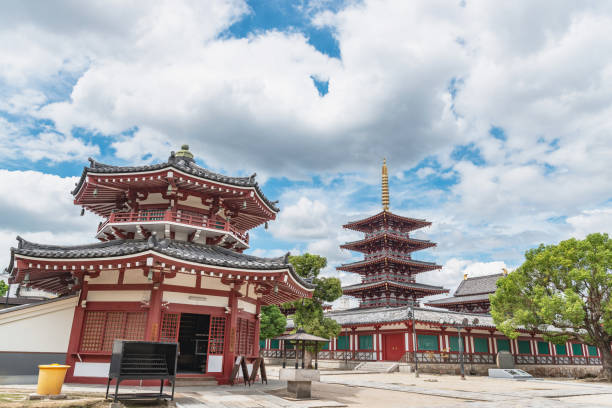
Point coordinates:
[(453, 342), (427, 342), (289, 346), (274, 344), (577, 349), (524, 347), (365, 342), (503, 345), (325, 346), (561, 349), (543, 347), (592, 351), (343, 343), (262, 344), (481, 345)]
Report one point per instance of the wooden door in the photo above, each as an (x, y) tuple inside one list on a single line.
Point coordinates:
[(393, 346)]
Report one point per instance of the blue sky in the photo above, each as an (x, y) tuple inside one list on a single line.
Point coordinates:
[(495, 127)]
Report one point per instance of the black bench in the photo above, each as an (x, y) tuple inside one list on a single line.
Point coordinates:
[(142, 360)]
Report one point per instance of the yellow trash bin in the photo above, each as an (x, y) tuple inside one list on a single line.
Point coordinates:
[(51, 378)]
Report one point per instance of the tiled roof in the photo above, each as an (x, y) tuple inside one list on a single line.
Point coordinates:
[(203, 254), (179, 163), (360, 316), (39, 303), (478, 285), (460, 299), (418, 223), (410, 285), (389, 259)]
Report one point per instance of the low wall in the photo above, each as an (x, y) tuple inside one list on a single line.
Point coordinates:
[(22, 368), (323, 364), (568, 371)]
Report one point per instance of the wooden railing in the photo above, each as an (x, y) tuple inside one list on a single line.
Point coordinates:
[(175, 216), (323, 354), (427, 357), (487, 358)]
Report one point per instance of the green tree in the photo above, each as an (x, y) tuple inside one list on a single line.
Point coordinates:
[(309, 312), (272, 323), (563, 291), (3, 288)]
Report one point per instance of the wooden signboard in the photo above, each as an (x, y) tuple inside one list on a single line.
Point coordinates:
[(240, 363), (259, 365)]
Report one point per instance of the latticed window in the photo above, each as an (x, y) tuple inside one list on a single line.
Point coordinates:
[(245, 337), (543, 347), (503, 345), (481, 345), (169, 327), (524, 347), (342, 343), (592, 351), (454, 343), (427, 342), (561, 349), (365, 342), (217, 335), (577, 349), (100, 329), (251, 338)]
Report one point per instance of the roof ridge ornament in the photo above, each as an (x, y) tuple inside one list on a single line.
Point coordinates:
[(385, 186)]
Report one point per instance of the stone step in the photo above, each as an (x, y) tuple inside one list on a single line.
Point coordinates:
[(378, 366)]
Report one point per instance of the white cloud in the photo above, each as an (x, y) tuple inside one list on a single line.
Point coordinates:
[(453, 270), (542, 72), (39, 208), (591, 221)]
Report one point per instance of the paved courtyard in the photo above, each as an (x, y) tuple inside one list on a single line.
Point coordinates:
[(351, 389)]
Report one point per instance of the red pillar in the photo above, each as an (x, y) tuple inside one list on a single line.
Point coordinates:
[(410, 337), (229, 351), (154, 315), (75, 332), (257, 324)]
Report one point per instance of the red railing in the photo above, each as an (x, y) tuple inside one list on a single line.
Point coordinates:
[(195, 220)]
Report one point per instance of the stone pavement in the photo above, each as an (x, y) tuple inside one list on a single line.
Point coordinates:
[(363, 390), (484, 391), (248, 398)]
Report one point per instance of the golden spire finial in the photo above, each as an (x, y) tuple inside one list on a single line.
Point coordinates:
[(385, 186)]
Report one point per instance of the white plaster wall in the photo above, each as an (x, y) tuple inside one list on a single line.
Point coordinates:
[(193, 201), (118, 295), (134, 276), (246, 306), (193, 299), (154, 198), (213, 283), (180, 235), (105, 277), (182, 279), (45, 328)]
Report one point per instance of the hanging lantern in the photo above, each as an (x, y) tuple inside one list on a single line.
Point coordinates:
[(82, 211), (95, 192), (266, 225), (244, 205)]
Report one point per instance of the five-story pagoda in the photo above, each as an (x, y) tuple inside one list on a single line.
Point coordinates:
[(388, 271)]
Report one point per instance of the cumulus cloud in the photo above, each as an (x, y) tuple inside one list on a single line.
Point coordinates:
[(420, 80), (39, 208)]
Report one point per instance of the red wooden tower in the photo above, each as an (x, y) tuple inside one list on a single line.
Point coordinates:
[(170, 267), (388, 271)]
